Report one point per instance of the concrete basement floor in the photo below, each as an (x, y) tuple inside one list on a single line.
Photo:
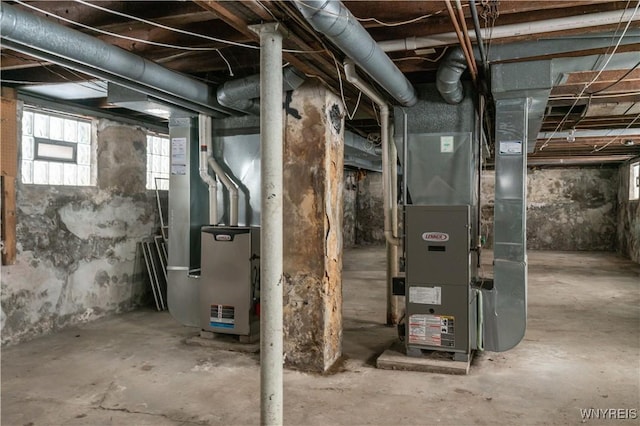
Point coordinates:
[(581, 350)]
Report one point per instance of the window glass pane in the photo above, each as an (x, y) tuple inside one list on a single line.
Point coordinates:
[(27, 148), (27, 171), (84, 155), (84, 132), (41, 172), (84, 175), (70, 130), (55, 151), (165, 147), (41, 125), (27, 123), (70, 174), (157, 146), (634, 182), (164, 164), (157, 163), (55, 173), (149, 180), (56, 125)]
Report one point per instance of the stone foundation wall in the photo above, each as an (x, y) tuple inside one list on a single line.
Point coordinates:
[(567, 209), (77, 247), (628, 232)]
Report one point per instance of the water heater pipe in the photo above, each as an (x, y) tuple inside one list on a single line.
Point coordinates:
[(204, 134), (390, 234)]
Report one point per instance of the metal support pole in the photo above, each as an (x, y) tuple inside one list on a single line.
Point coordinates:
[(271, 253)]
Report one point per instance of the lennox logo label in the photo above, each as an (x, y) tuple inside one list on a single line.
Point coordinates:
[(223, 237), (438, 237)]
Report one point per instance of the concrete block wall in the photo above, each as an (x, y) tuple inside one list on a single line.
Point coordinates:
[(628, 229), (77, 247)]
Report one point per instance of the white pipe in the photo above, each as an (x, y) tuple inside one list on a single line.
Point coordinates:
[(393, 267), (231, 187), (390, 234), (271, 251), (513, 30), (204, 135)]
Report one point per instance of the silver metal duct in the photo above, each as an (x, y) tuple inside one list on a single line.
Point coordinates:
[(44, 39), (505, 305), (448, 77), (333, 19), (243, 94), (453, 65)]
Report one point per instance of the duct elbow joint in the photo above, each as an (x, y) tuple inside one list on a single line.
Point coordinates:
[(449, 75)]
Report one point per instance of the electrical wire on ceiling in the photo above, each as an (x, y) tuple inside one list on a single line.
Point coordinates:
[(346, 109), (596, 149), (377, 21), (267, 10), (619, 80), (422, 58), (587, 85), (189, 33), (134, 39), (603, 96)]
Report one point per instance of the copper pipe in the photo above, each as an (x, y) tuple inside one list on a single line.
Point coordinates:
[(465, 33), (463, 45)]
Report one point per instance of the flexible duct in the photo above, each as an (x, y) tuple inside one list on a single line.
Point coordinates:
[(334, 20), (243, 94), (41, 38), (204, 128), (204, 133)]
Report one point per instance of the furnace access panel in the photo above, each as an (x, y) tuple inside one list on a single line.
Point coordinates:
[(438, 278)]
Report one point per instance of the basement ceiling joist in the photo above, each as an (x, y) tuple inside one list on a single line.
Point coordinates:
[(614, 106)]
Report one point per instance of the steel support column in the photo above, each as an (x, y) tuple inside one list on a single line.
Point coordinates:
[(271, 253)]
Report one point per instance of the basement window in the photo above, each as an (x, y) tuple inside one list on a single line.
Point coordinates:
[(56, 149), (634, 181), (158, 161)]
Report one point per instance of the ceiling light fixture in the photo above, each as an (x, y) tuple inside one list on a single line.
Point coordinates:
[(628, 142)]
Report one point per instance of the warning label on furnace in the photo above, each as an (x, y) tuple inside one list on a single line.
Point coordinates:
[(432, 330), (425, 295), (222, 316)]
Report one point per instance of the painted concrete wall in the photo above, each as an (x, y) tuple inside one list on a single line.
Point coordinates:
[(77, 254), (567, 209), (628, 232)]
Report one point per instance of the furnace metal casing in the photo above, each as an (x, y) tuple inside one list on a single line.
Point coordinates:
[(440, 313), (230, 280)]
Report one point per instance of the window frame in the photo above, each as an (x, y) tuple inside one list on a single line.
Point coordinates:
[(634, 181), (153, 176), (83, 175)]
